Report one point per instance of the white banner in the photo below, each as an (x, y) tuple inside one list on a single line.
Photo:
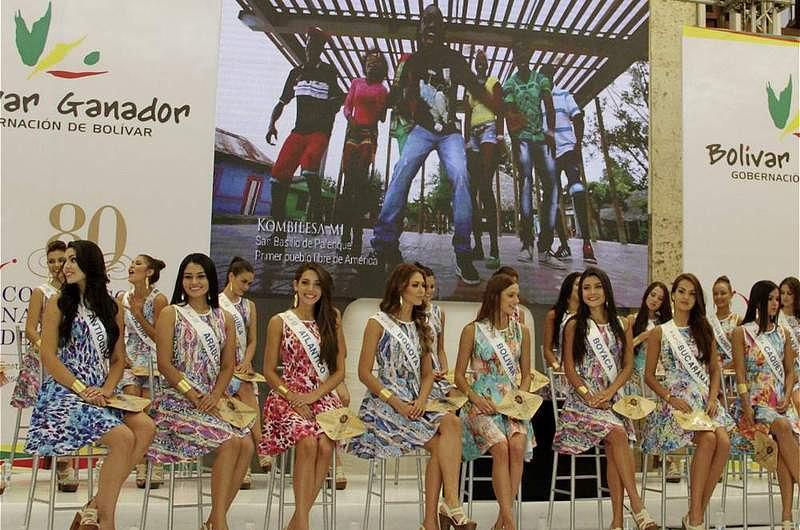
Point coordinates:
[(741, 156), (107, 131)]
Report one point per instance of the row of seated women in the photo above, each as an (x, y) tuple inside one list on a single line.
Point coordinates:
[(197, 337)]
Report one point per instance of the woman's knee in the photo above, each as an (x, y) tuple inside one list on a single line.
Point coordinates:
[(704, 439), (780, 426), (723, 441), (617, 436), (517, 446), (120, 438), (308, 446), (500, 451), (450, 422)]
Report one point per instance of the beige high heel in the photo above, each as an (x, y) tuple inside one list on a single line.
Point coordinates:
[(85, 519), (644, 521), (454, 518)]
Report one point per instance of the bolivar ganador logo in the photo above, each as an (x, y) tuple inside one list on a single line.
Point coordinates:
[(780, 107), (31, 43)]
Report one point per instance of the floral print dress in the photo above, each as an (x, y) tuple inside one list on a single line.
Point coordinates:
[(792, 325), (283, 427), (61, 422), (581, 427), (389, 433), (440, 388), (139, 352), (242, 306), (765, 390), (661, 432), (728, 324), (183, 431), (482, 431), (29, 379)]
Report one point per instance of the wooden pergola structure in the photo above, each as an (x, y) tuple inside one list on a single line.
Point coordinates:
[(589, 42)]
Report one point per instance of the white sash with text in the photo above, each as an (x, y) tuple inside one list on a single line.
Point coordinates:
[(680, 348), (238, 325), (601, 351), (501, 349), (409, 348), (774, 359), (310, 343), (134, 324)]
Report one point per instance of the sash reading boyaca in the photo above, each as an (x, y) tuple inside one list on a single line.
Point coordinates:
[(723, 341), (97, 332), (774, 359), (601, 351), (310, 343), (680, 348), (132, 323), (501, 349), (208, 342), (409, 348), (238, 325)]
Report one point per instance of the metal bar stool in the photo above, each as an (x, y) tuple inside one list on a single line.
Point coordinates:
[(18, 425), (50, 501), (572, 477), (178, 471), (380, 474), (281, 472), (467, 481), (662, 490)]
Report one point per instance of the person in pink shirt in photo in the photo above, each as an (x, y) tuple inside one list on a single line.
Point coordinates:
[(364, 107)]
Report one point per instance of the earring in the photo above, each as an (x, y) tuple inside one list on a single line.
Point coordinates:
[(401, 301), (146, 283), (296, 300)]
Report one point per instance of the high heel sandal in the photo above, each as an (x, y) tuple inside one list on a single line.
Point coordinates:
[(85, 519), (67, 480), (687, 526), (644, 521), (454, 518)]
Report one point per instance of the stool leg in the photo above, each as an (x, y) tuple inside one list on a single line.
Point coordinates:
[(333, 491), (370, 476), (146, 499), (421, 486), (199, 465), (382, 510), (51, 503), (598, 472), (470, 486), (282, 492), (769, 496), (744, 491), (396, 471), (90, 470), (572, 492), (518, 514), (462, 484), (663, 491), (17, 424), (270, 494), (645, 467), (31, 491), (171, 496), (725, 484), (552, 501)]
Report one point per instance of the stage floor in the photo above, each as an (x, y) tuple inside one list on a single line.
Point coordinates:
[(249, 508)]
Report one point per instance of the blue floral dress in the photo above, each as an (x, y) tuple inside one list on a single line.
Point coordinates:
[(440, 388), (62, 422), (390, 434), (661, 432), (182, 430), (482, 431), (581, 427), (242, 306), (139, 352)]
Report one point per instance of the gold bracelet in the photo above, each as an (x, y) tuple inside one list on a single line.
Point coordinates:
[(741, 388), (282, 390), (38, 344), (554, 365), (582, 390), (78, 387), (183, 386), (385, 394)]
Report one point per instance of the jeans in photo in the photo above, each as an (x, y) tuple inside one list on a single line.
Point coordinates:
[(535, 154), (420, 142)]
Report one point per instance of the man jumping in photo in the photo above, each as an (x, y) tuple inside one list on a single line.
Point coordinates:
[(429, 83)]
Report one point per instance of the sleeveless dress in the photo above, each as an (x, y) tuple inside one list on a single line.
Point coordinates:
[(640, 354), (62, 422), (139, 352), (764, 388), (482, 431), (440, 388), (282, 427), (389, 434), (728, 324), (581, 427), (243, 308), (561, 384), (29, 379), (661, 432), (182, 431), (792, 325)]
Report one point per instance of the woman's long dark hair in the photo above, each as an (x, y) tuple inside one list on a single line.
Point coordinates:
[(395, 285), (794, 285), (701, 330), (562, 304), (663, 313), (324, 314), (583, 315), (757, 305), (490, 307), (95, 295), (212, 296)]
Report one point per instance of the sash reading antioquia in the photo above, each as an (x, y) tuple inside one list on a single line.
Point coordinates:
[(208, 341), (774, 358), (723, 341), (680, 348), (409, 348), (97, 332), (238, 325), (310, 343), (134, 324), (501, 349)]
